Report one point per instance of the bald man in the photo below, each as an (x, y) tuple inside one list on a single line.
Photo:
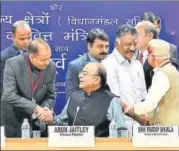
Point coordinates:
[(21, 37), (28, 89)]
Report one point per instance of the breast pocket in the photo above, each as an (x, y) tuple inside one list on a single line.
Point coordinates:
[(45, 85)]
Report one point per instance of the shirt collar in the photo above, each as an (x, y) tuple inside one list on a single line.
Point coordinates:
[(93, 93), (145, 53), (18, 50)]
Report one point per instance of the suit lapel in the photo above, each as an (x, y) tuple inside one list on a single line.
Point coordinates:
[(27, 76)]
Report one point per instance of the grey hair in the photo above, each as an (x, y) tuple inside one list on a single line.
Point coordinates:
[(148, 27), (33, 46), (125, 29)]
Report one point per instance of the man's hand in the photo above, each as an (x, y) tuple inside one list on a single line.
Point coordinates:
[(49, 115), (143, 119), (44, 114), (40, 112), (128, 109)]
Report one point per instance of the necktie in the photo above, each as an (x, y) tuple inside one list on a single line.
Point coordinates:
[(141, 57)]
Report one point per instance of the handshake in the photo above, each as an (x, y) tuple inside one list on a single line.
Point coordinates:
[(142, 119), (44, 114)]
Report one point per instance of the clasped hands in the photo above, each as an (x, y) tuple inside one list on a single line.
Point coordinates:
[(44, 114), (143, 119)]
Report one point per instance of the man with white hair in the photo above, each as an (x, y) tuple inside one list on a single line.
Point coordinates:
[(162, 100), (145, 32), (156, 21), (125, 75)]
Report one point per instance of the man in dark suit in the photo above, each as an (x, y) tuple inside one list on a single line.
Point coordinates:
[(98, 45), (21, 36), (146, 32), (156, 21), (28, 89)]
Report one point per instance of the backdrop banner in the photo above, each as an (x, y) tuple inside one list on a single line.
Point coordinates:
[(64, 25)]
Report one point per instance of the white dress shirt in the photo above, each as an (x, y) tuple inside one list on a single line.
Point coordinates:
[(125, 79), (160, 86)]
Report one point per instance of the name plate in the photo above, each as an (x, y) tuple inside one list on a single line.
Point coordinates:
[(155, 136), (3, 138), (71, 136)]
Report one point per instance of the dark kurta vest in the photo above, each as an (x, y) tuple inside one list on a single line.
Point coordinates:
[(93, 110)]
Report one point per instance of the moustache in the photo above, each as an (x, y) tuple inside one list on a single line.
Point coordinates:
[(130, 51), (103, 53)]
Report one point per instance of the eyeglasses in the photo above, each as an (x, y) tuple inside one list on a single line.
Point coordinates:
[(85, 73)]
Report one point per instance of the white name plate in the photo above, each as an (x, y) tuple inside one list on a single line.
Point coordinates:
[(155, 136), (3, 138), (71, 136)]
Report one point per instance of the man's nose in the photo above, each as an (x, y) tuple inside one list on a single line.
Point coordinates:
[(133, 47), (26, 41), (80, 75)]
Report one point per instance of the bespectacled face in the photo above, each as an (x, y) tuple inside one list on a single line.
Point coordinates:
[(99, 49), (88, 77), (127, 45)]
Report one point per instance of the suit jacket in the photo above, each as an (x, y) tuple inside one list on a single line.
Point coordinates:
[(74, 67), (6, 54), (174, 57), (148, 70), (16, 99)]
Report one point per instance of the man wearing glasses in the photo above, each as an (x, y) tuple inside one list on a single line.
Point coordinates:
[(97, 45), (94, 104)]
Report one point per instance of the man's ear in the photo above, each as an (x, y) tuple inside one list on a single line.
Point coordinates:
[(151, 35), (117, 43), (12, 37), (159, 27), (97, 79), (89, 46)]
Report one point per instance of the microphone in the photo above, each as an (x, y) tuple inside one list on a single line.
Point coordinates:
[(77, 109)]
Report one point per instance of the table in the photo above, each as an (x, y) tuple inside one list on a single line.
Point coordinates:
[(101, 144)]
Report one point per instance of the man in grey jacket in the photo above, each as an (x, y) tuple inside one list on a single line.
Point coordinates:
[(28, 89)]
